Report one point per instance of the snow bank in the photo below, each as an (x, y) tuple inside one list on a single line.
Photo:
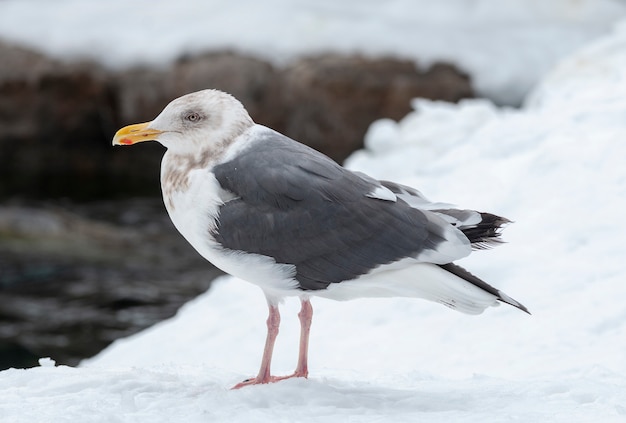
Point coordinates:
[(555, 167), (505, 46), (196, 394)]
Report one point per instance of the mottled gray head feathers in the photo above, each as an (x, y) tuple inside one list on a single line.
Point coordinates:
[(201, 122)]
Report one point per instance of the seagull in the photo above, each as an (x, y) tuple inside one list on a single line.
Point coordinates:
[(274, 212)]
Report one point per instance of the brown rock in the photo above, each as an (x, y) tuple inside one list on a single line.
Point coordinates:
[(144, 92), (57, 119), (333, 99), (56, 122)]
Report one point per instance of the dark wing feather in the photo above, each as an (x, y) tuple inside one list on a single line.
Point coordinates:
[(464, 274), (298, 206)]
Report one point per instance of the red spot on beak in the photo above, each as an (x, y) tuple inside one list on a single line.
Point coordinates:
[(126, 141)]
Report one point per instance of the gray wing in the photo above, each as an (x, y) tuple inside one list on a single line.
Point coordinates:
[(301, 208)]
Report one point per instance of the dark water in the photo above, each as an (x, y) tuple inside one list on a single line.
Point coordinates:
[(73, 278)]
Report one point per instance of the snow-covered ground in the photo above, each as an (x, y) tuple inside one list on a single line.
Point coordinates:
[(555, 167), (525, 38)]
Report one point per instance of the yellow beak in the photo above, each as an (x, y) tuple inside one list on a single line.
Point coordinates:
[(133, 134)]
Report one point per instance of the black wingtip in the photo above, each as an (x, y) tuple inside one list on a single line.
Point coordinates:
[(462, 273), (486, 234), (508, 300)]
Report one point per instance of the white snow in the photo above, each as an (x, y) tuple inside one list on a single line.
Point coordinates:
[(506, 46), (555, 167)]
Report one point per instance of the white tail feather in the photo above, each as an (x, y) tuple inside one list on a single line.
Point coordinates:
[(423, 280)]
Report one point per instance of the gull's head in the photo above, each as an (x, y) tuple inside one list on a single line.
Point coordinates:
[(192, 123)]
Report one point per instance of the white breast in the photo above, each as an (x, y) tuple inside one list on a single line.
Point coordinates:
[(195, 213)]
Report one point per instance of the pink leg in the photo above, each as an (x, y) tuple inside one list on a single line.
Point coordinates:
[(273, 322), (302, 369), (305, 315)]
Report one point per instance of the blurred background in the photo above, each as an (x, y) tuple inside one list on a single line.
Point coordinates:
[(87, 252)]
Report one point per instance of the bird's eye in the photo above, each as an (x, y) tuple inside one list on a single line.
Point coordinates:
[(193, 117)]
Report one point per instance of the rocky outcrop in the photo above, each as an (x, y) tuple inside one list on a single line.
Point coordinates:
[(57, 119), (54, 119), (332, 99)]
